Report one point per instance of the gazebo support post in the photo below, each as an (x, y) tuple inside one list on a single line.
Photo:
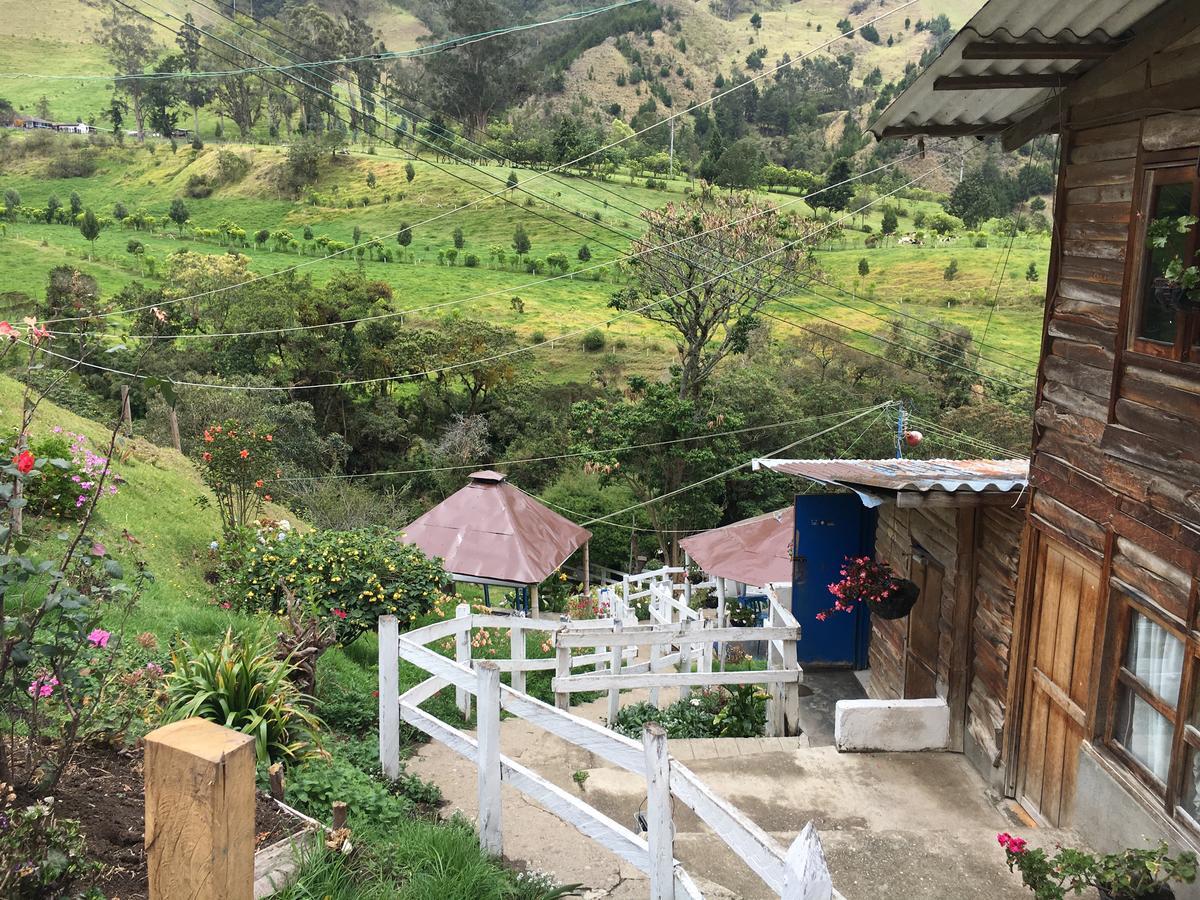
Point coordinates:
[(587, 567), (462, 656), (534, 608), (721, 620)]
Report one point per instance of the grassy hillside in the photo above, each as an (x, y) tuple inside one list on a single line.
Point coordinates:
[(156, 506), (149, 178)]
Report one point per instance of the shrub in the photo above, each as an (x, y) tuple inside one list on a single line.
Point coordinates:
[(198, 187), (42, 855), (231, 167), (593, 341), (72, 164), (351, 577), (71, 476), (241, 685), (236, 464), (736, 711), (471, 261), (951, 271)]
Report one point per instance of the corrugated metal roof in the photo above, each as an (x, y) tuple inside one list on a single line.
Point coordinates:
[(1010, 21), (493, 530), (909, 474), (754, 551)]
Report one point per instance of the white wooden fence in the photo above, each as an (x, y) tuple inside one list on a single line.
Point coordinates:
[(797, 873)]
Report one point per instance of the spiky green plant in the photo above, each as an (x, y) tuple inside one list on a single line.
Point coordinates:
[(241, 685)]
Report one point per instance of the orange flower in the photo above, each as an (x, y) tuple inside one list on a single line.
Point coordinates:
[(267, 497), (267, 437), (208, 436), (245, 454), (258, 483)]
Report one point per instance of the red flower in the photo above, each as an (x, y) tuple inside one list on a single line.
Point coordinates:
[(208, 436), (207, 457), (267, 497), (258, 483), (268, 438), (340, 613), (245, 454), (24, 462)]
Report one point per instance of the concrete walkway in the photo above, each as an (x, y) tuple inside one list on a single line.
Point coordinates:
[(893, 825)]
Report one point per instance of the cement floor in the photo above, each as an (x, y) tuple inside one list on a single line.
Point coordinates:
[(892, 825)]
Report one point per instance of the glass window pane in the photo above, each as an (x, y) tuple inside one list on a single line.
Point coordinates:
[(1158, 323), (1155, 656), (1144, 733), (1190, 798)]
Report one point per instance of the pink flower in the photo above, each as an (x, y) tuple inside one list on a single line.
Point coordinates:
[(99, 638), (340, 613), (42, 686), (1010, 843), (36, 332), (8, 331)]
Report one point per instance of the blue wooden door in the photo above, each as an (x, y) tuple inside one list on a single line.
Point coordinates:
[(829, 527)]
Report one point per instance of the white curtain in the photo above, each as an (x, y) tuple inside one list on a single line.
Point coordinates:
[(1155, 657)]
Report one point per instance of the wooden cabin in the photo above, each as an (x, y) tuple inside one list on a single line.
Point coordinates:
[(954, 528), (1103, 685)]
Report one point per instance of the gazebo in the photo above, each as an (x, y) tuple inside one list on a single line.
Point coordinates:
[(492, 533)]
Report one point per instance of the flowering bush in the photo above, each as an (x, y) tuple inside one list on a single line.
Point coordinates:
[(737, 711), (42, 855), (71, 477), (237, 464), (1125, 875), (348, 577), (863, 581)]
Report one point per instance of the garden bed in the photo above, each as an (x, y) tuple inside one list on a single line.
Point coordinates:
[(104, 791)]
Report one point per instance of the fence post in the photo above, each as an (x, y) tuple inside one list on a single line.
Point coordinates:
[(516, 642), (614, 693), (805, 873), (173, 420), (655, 649), (791, 690), (624, 596), (487, 719), (462, 655), (659, 828), (200, 811), (562, 669), (535, 607), (389, 696), (722, 620), (685, 655), (775, 712)]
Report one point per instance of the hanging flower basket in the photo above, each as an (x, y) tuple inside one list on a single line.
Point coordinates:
[(874, 585), (899, 602)]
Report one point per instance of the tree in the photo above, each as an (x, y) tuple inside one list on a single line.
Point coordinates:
[(756, 22), (838, 187), (864, 267), (90, 229), (889, 224), (1037, 204), (981, 195), (12, 202), (584, 254), (951, 271), (511, 184), (43, 107), (179, 214), (53, 205), (740, 167), (76, 204), (459, 240), (162, 96), (707, 281), (409, 172), (1031, 274), (130, 45), (195, 92), (404, 235), (869, 33), (521, 241)]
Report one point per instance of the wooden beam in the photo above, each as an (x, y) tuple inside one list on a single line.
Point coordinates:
[(995, 50), (954, 130), (1015, 81)]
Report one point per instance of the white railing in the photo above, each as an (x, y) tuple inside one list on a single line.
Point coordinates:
[(797, 873)]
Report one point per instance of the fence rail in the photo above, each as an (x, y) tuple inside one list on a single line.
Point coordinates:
[(796, 873)]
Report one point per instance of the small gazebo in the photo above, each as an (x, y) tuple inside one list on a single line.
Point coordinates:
[(492, 533)]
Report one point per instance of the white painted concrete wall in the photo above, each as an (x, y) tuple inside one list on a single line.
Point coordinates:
[(891, 725)]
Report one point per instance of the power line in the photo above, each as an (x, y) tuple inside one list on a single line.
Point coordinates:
[(383, 56)]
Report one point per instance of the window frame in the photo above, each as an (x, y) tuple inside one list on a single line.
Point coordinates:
[(1185, 735), (1175, 167)]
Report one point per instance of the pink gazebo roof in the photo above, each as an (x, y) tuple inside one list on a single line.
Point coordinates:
[(754, 551), (494, 531)]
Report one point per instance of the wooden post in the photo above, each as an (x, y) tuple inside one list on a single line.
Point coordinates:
[(462, 655), (614, 694), (173, 421), (199, 812), (805, 873), (775, 716), (587, 567), (534, 608), (389, 696), (659, 829), (487, 674), (126, 417), (685, 656), (722, 620), (562, 669), (516, 643), (624, 596)]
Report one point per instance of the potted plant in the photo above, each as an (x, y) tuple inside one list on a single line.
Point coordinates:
[(874, 584), (1132, 874), (1178, 286)]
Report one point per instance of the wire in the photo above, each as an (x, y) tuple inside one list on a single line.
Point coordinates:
[(573, 455), (383, 56), (740, 465)]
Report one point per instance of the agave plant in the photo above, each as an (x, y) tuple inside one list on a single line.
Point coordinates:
[(241, 685)]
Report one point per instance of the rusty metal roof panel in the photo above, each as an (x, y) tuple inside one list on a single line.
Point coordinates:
[(1086, 22), (493, 530), (909, 474), (754, 551)]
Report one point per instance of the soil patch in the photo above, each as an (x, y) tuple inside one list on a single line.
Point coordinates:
[(104, 792)]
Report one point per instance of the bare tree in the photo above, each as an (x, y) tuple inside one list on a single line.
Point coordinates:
[(706, 267)]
